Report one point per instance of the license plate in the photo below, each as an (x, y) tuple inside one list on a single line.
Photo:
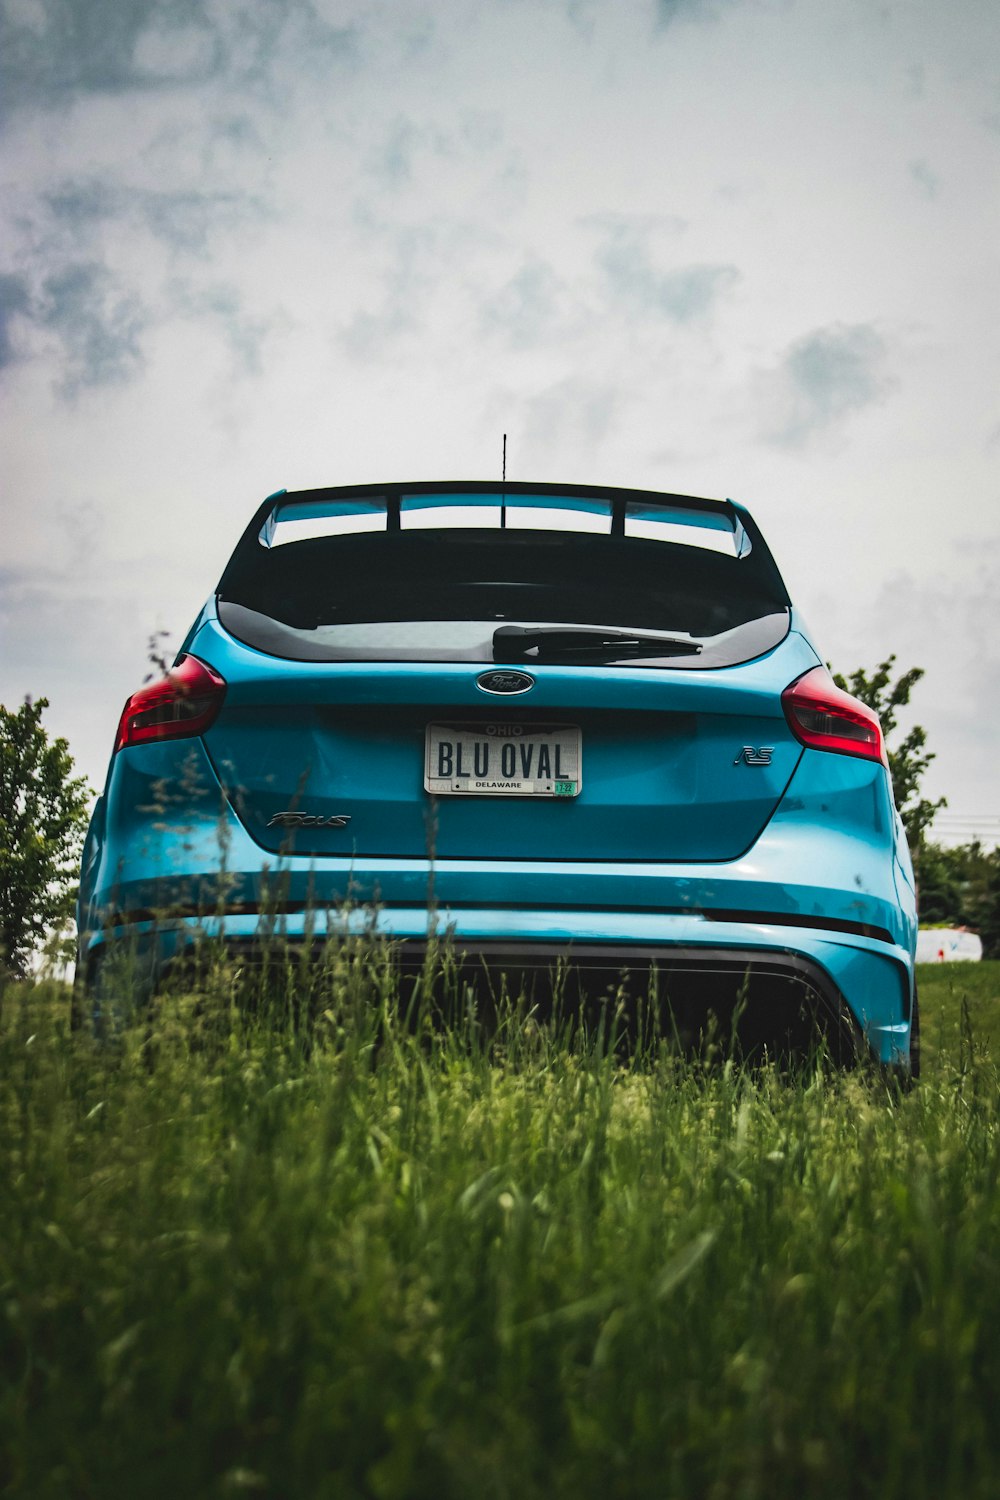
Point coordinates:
[(503, 760)]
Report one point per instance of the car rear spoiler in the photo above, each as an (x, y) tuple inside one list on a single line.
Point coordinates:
[(296, 505)]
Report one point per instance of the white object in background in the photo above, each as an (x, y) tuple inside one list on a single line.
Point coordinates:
[(945, 945)]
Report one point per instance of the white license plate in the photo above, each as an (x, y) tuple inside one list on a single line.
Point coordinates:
[(503, 760)]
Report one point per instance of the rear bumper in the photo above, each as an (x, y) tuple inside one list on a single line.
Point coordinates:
[(861, 982), (810, 891)]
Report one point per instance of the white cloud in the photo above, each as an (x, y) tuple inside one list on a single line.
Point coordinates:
[(822, 379), (295, 242), (59, 51), (638, 285), (15, 305), (944, 623), (927, 181), (534, 308), (98, 324)]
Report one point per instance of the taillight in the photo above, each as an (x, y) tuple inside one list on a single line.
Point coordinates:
[(824, 717), (183, 703)]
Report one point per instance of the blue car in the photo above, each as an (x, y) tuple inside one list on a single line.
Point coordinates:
[(577, 728)]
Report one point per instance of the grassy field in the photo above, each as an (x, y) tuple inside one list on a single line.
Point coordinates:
[(243, 1258)]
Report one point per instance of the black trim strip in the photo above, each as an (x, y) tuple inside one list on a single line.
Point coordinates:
[(797, 919), (294, 908)]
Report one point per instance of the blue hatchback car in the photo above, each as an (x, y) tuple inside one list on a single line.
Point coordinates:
[(588, 720)]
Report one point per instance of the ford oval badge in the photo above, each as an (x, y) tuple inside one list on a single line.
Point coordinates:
[(504, 682)]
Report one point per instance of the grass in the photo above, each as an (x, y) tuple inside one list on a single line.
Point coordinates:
[(955, 998), (241, 1256)]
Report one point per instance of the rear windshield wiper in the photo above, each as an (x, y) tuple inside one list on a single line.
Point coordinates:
[(515, 642)]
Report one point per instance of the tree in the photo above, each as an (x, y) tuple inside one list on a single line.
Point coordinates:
[(43, 817), (960, 887), (983, 899), (909, 760), (944, 886)]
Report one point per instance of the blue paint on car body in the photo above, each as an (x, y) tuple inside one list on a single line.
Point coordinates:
[(728, 800)]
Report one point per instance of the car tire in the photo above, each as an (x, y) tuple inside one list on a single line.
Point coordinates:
[(108, 992), (915, 1037)]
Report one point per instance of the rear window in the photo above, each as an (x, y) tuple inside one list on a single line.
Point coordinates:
[(478, 575)]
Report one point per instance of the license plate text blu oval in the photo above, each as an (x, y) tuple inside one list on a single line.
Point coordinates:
[(503, 759)]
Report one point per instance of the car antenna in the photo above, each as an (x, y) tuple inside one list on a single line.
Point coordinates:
[(503, 481)]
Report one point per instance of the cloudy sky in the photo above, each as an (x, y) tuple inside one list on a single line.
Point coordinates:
[(727, 247)]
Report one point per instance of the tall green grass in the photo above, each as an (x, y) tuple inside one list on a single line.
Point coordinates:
[(241, 1254)]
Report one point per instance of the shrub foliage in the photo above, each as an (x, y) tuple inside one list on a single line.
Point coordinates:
[(43, 816)]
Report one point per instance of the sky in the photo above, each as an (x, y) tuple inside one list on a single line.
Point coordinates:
[(742, 248)]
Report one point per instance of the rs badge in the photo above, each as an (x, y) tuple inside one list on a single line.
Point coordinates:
[(751, 757)]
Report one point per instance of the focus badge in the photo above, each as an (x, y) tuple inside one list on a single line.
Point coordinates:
[(308, 820)]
